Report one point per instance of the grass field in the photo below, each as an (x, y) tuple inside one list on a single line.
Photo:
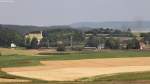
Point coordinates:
[(23, 60), (120, 77)]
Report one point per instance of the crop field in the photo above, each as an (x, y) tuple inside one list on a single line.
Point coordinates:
[(48, 67), (16, 60)]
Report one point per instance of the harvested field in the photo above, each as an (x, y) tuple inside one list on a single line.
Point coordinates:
[(30, 52), (75, 69), (12, 80)]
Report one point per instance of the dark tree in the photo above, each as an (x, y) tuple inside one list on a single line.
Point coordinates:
[(7, 36), (112, 43), (28, 42), (146, 37), (44, 42), (60, 46), (92, 42), (129, 30), (133, 44), (34, 43)]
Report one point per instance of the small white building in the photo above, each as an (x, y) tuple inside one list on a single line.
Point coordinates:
[(13, 45)]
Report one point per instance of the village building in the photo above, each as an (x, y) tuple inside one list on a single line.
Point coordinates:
[(13, 45), (35, 34)]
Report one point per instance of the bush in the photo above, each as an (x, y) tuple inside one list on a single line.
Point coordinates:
[(61, 53), (77, 48), (61, 47)]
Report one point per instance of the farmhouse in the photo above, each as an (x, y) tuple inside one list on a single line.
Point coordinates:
[(35, 34)]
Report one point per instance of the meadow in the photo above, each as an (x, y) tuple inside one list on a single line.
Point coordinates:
[(16, 60)]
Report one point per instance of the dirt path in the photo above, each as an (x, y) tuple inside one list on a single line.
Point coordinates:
[(74, 69), (29, 52)]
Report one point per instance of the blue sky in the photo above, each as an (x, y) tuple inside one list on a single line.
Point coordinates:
[(60, 12)]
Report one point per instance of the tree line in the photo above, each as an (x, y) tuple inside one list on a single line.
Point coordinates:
[(51, 37), (110, 32)]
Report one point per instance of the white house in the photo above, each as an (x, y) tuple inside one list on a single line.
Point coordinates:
[(13, 45)]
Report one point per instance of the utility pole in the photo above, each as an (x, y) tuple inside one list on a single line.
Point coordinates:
[(48, 43), (71, 40)]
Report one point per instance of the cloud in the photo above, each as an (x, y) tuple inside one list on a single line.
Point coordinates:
[(7, 1)]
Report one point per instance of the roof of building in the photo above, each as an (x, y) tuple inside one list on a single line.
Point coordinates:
[(34, 32)]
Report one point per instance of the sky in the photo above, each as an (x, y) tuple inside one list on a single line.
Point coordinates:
[(64, 12)]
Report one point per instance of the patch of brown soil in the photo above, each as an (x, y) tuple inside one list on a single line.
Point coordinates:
[(74, 69), (12, 80), (29, 52), (110, 62)]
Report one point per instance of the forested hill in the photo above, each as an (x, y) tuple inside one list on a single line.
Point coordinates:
[(22, 29), (25, 29)]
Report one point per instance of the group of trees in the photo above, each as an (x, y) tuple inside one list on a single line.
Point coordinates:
[(133, 44), (112, 43), (110, 32), (146, 37), (10, 36), (92, 41), (52, 36), (31, 43)]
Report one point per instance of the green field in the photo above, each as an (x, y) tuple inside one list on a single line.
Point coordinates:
[(21, 60), (120, 77)]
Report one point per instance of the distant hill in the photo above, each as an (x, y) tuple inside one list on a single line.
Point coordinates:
[(84, 26), (143, 26), (22, 29)]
